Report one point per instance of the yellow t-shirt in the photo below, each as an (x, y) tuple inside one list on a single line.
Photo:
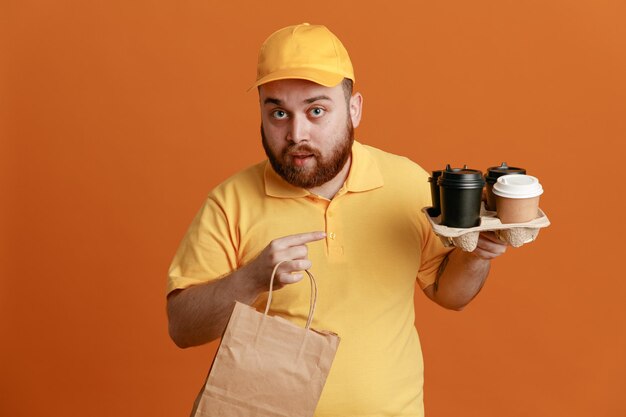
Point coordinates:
[(378, 243)]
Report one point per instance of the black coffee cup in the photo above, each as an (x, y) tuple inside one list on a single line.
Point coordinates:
[(460, 191), (435, 210), (492, 176)]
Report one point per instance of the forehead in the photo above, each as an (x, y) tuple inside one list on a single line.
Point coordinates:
[(298, 91)]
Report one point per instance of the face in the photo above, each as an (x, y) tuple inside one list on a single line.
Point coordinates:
[(307, 130)]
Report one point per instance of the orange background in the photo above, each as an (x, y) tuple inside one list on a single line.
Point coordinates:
[(117, 117)]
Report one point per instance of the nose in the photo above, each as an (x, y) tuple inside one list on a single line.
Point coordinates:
[(299, 129)]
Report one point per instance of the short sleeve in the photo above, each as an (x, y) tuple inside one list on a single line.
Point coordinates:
[(433, 253), (433, 250), (208, 250)]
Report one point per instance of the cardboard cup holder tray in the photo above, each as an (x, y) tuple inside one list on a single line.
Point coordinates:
[(515, 234)]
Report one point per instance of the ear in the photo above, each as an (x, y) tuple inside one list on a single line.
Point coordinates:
[(356, 107)]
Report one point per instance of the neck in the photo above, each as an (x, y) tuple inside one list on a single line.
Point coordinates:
[(329, 189)]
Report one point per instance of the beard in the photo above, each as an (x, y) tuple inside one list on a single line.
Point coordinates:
[(325, 169)]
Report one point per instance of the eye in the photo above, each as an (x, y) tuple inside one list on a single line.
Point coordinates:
[(317, 112), (279, 114)]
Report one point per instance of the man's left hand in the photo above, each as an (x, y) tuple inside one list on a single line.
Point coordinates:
[(489, 246)]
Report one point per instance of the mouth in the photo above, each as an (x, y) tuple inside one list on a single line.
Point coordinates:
[(301, 158)]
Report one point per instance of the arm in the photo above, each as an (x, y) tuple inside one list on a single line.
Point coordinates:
[(199, 314), (462, 274)]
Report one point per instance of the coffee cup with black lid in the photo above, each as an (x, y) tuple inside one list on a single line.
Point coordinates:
[(460, 191), (492, 175), (435, 210), (517, 198)]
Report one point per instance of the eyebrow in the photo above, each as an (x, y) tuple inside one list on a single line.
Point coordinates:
[(316, 98), (278, 102), (271, 100)]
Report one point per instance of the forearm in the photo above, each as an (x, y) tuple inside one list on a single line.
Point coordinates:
[(461, 278), (462, 274), (199, 314)]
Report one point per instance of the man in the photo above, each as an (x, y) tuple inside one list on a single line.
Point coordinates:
[(347, 211)]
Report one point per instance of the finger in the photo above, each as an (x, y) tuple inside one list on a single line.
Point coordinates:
[(288, 267), (289, 254), (297, 239), (290, 278), (492, 237), (489, 249), (294, 252), (488, 245), (483, 254), (290, 271)]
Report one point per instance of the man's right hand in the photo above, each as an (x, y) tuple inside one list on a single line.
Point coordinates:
[(291, 251)]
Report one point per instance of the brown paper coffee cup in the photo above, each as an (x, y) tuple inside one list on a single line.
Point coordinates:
[(517, 210), (517, 198)]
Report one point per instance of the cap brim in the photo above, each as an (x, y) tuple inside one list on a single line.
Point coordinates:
[(325, 78)]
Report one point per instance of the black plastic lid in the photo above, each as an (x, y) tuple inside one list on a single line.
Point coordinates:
[(461, 178), (435, 176), (494, 172)]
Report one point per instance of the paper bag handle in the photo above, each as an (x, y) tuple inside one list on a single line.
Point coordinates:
[(313, 294)]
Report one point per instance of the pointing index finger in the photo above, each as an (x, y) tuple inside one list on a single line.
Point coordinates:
[(301, 238)]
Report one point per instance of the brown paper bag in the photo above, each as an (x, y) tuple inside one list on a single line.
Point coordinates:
[(267, 366)]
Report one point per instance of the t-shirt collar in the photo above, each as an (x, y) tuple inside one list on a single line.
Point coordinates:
[(364, 175)]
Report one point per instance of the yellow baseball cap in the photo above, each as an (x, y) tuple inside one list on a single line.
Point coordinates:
[(308, 52)]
